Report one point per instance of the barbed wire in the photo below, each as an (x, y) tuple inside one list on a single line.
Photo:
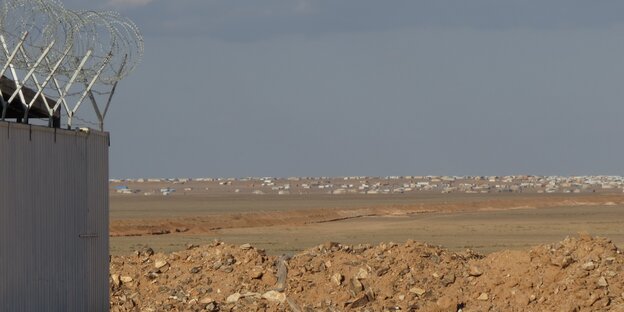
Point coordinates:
[(79, 121), (69, 55), (85, 122), (111, 38)]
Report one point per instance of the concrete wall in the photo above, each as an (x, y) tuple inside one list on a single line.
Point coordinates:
[(53, 219)]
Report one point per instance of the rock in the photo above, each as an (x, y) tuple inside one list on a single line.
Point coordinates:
[(206, 300), (435, 259), (229, 260), (337, 279), (360, 248), (475, 271), (160, 263), (566, 261), (245, 246), (216, 265), (115, 278), (233, 298), (382, 271), (602, 282), (191, 246), (448, 279), (255, 274), (356, 286), (212, 307), (370, 294), (181, 229), (333, 246), (126, 279), (268, 278), (174, 256), (129, 305), (274, 296), (359, 302), (196, 269), (159, 231), (483, 297), (251, 295), (362, 274), (609, 260), (589, 266), (322, 267), (418, 291)]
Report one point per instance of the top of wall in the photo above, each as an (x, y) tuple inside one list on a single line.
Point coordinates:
[(83, 132)]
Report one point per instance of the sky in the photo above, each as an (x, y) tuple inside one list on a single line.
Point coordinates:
[(235, 88)]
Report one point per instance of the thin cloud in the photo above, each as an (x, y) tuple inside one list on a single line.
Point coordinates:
[(245, 20), (128, 3)]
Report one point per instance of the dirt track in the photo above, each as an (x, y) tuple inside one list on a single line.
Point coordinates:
[(287, 224)]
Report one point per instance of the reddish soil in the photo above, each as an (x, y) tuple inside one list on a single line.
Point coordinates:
[(577, 274), (205, 221), (583, 273)]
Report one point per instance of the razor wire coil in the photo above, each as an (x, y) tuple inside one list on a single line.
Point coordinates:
[(66, 54)]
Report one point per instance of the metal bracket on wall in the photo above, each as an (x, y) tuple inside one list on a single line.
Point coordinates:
[(88, 235)]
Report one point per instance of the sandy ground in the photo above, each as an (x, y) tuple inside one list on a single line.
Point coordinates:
[(292, 223), (218, 251)]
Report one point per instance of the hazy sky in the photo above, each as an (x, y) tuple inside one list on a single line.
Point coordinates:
[(359, 87)]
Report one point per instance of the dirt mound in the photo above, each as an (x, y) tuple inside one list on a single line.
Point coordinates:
[(577, 274)]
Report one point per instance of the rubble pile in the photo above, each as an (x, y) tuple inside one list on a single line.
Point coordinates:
[(582, 273)]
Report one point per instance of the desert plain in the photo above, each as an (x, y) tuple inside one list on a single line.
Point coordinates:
[(368, 244), (242, 211)]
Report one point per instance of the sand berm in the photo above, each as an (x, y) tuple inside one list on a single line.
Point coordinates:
[(581, 273)]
